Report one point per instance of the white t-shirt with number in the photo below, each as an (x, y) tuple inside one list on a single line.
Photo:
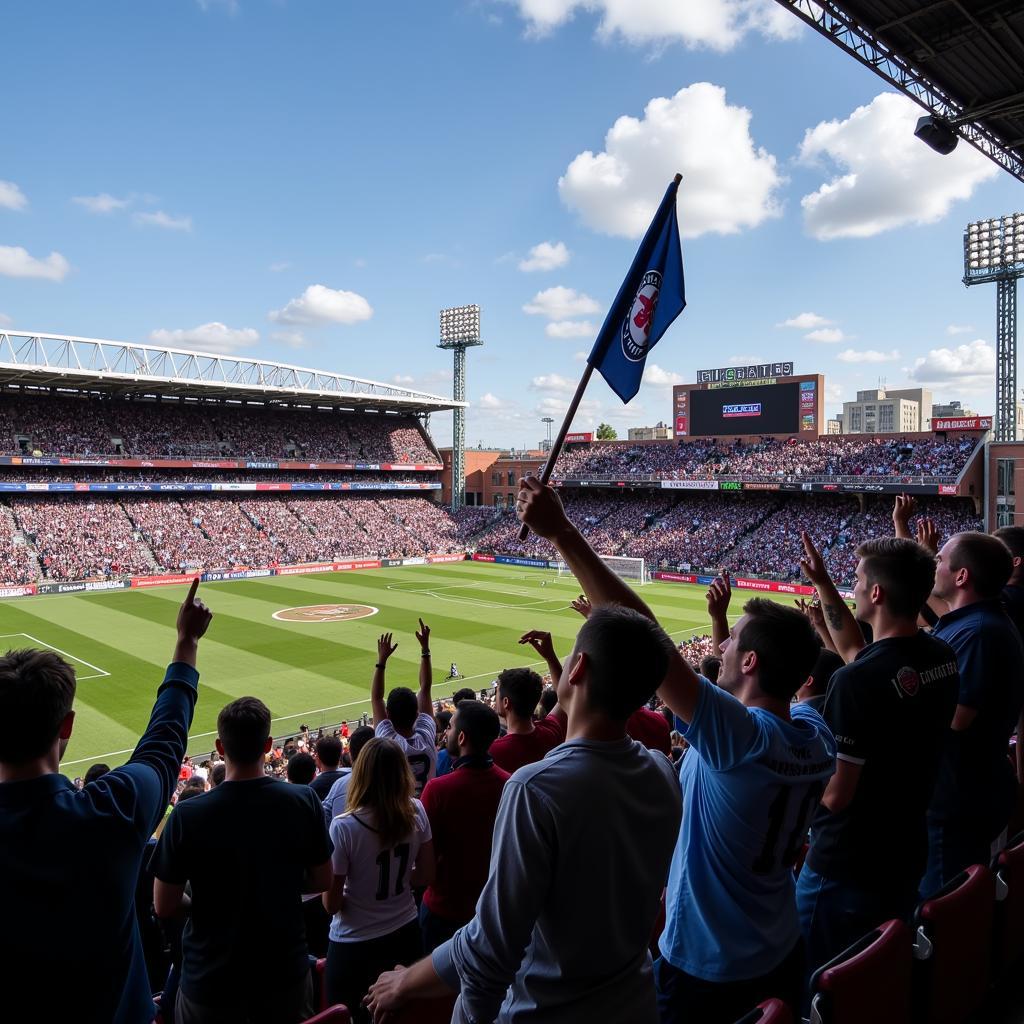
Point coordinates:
[(420, 748), (378, 897)]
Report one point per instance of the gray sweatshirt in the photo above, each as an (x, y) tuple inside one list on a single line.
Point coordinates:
[(581, 851)]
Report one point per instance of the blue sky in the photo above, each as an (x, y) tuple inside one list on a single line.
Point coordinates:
[(311, 181)]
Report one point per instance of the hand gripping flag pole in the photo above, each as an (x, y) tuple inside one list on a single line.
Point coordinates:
[(651, 297)]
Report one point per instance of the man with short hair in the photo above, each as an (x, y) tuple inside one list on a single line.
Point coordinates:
[(466, 693), (241, 879), (217, 773), (890, 708), (69, 859), (526, 740), (328, 758), (976, 789), (583, 837), (334, 803), (301, 770), (407, 718), (461, 807)]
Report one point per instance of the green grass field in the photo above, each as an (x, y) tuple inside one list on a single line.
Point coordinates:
[(317, 673)]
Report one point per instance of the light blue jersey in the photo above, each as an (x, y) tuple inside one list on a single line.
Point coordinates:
[(751, 784)]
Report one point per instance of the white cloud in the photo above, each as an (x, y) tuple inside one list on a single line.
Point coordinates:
[(560, 303), (570, 329), (954, 329), (655, 376), (211, 337), (885, 177), (489, 401), (806, 321), (833, 391), (11, 197), (715, 24), (580, 357), (103, 203), (293, 339), (729, 183), (971, 366), (159, 219), (554, 383), (545, 256), (276, 268), (828, 335), (319, 304), (5, 320), (16, 262), (869, 355), (402, 380), (746, 360)]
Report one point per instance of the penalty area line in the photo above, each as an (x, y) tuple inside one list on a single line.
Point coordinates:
[(100, 673)]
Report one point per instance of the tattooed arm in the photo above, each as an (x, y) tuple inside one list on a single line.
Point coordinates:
[(842, 626)]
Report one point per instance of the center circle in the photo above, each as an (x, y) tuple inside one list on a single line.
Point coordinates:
[(325, 613)]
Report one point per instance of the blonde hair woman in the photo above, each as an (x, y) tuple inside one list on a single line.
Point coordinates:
[(382, 851)]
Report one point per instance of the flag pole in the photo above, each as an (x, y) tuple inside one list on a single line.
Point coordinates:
[(556, 446), (559, 441)]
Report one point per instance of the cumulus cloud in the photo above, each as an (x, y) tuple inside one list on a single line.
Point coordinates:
[(490, 401), (212, 337), (828, 335), (655, 376), (11, 197), (319, 304), (712, 24), (103, 203), (570, 329), (554, 383), (971, 366), (868, 355), (17, 262), (884, 177), (729, 183), (159, 219), (276, 268), (806, 321), (560, 303), (545, 256), (954, 329)]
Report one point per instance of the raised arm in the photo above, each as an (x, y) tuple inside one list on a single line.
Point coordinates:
[(718, 596), (385, 648), (541, 509), (423, 702), (816, 617), (842, 626), (541, 642), (902, 510)]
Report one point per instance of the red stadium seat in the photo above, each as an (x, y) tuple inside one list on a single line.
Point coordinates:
[(868, 982), (319, 988), (1009, 931), (954, 942), (771, 1011), (337, 1014), (425, 1011)]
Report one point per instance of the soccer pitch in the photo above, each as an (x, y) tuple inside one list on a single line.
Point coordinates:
[(308, 672)]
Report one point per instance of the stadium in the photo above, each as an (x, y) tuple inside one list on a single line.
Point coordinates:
[(313, 713)]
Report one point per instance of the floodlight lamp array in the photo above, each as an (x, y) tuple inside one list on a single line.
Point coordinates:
[(460, 324), (994, 245)]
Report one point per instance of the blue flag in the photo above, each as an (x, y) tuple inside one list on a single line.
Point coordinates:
[(650, 298)]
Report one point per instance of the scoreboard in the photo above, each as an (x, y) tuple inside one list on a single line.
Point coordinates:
[(792, 406)]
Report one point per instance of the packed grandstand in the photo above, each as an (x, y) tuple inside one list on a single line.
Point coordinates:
[(81, 503)]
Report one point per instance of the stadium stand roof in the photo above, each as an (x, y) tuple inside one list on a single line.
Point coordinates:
[(959, 59), (56, 361)]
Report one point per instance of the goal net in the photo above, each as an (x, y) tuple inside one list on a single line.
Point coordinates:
[(633, 570)]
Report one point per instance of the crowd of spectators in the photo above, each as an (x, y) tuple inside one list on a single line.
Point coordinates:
[(30, 474), (97, 427), (892, 458)]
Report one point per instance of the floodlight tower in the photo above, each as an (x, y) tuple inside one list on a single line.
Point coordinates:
[(460, 329), (994, 251)]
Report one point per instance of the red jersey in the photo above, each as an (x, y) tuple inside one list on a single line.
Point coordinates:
[(650, 729), (461, 807), (513, 751)]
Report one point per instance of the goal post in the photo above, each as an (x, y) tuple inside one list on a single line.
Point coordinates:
[(632, 570)]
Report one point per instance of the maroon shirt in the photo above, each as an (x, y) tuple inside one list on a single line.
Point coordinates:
[(461, 807), (513, 751), (650, 729)]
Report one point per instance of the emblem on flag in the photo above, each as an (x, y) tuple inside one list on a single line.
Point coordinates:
[(637, 325)]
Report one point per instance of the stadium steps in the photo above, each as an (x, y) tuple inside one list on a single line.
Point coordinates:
[(142, 541)]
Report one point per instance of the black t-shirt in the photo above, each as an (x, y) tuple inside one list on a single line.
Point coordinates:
[(1013, 602), (890, 710), (244, 847), (321, 785)]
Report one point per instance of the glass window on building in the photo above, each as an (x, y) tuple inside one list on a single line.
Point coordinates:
[(511, 478), (499, 501)]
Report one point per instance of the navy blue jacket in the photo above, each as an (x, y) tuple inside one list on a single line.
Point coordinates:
[(69, 861)]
